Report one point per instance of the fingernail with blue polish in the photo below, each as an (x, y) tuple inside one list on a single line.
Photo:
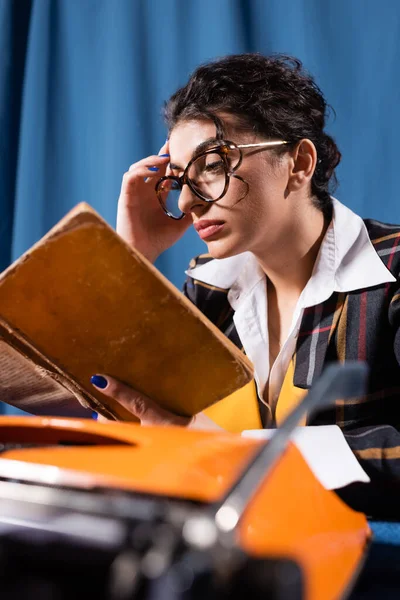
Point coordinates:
[(95, 415), (152, 168), (164, 155), (99, 381)]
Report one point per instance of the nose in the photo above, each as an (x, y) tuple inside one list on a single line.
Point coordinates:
[(188, 200)]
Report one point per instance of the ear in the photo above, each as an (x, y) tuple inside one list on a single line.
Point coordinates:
[(302, 165)]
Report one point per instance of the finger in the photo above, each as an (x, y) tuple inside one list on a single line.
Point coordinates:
[(145, 409), (164, 152), (134, 176), (164, 148), (149, 161), (141, 171), (101, 419), (149, 167)]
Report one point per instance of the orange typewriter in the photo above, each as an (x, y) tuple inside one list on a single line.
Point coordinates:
[(119, 511)]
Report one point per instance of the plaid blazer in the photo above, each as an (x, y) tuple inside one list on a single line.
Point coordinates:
[(360, 325)]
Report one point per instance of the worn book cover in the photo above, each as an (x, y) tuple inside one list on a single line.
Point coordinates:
[(81, 302)]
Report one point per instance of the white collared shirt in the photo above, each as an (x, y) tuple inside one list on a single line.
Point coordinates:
[(346, 262)]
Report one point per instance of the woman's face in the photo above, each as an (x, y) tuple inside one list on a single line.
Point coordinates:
[(259, 220)]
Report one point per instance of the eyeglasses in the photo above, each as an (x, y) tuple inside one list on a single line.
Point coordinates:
[(207, 175)]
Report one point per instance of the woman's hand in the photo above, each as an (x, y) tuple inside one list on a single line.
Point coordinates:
[(145, 409), (141, 222)]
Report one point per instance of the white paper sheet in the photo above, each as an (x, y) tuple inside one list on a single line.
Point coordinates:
[(326, 451)]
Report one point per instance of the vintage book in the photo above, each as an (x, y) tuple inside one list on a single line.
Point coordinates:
[(81, 302)]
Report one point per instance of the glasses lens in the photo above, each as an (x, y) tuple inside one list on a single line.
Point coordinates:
[(169, 191), (207, 175)]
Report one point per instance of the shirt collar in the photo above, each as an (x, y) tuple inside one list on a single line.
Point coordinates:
[(358, 265), (347, 261)]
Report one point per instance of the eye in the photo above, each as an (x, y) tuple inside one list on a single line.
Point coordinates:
[(215, 167)]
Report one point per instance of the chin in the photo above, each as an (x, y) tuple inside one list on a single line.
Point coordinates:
[(221, 249)]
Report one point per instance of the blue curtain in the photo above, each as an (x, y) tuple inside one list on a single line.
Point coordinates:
[(82, 83)]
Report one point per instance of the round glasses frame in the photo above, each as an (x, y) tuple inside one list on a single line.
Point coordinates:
[(223, 149)]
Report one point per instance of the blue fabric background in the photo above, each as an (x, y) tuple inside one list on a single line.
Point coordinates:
[(82, 83)]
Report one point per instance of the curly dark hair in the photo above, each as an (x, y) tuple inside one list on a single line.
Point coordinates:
[(272, 96)]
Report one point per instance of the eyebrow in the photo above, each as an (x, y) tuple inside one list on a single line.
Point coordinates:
[(198, 150)]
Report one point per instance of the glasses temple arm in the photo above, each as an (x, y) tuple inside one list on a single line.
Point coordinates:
[(272, 143)]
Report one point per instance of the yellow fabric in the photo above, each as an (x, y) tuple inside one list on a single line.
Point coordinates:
[(238, 411), (289, 397)]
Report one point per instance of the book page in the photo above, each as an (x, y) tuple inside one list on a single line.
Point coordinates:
[(32, 388)]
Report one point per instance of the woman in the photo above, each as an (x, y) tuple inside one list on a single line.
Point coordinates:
[(300, 280)]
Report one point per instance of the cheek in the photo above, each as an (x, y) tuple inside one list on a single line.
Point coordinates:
[(242, 201), (247, 215), (254, 200), (266, 194), (239, 189), (257, 199)]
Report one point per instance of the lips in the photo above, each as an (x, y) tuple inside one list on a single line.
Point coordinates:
[(204, 223), (206, 228)]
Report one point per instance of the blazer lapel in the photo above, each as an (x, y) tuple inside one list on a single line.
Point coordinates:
[(317, 328)]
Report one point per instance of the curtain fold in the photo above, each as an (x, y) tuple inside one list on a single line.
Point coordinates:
[(14, 32)]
